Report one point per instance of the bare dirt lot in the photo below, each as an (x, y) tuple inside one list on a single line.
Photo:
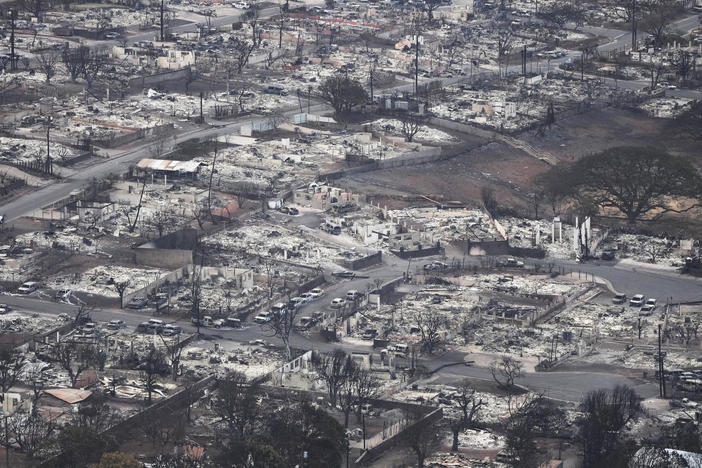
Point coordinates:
[(507, 170), (597, 130)]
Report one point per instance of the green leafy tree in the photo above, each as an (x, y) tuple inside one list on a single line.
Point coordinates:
[(236, 404), (342, 93), (634, 180), (253, 451), (117, 460), (81, 446), (308, 429), (605, 414)]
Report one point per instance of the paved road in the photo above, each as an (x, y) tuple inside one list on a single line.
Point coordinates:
[(649, 281), (192, 27), (568, 386)]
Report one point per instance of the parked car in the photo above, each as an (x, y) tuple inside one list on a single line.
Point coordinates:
[(233, 322), (159, 300), (401, 349), (607, 255), (115, 324), (344, 274), (352, 295), (637, 300), (28, 287), (65, 317), (435, 266), (307, 296), (297, 302), (155, 325), (112, 35), (619, 299), (369, 334), (263, 317), (171, 330), (306, 322), (513, 262), (649, 307), (205, 321), (316, 293), (137, 303), (89, 328), (4, 308), (62, 293), (338, 303), (275, 90)]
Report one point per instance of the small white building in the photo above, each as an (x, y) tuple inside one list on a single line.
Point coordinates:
[(176, 59)]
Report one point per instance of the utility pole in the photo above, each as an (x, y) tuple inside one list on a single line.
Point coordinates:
[(633, 25), (161, 25), (416, 62), (582, 66), (661, 379), (48, 151), (524, 57), (202, 120), (13, 57), (371, 84)]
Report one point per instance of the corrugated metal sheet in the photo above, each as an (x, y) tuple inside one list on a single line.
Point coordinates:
[(69, 395), (168, 166)]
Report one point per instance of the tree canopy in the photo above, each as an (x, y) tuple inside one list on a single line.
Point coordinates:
[(605, 414), (342, 93), (117, 460), (634, 180)]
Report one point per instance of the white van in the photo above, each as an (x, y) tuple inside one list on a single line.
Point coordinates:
[(401, 349), (28, 287)]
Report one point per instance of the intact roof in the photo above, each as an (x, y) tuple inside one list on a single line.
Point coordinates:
[(168, 165), (69, 395)]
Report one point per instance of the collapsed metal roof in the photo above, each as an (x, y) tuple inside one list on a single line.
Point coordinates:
[(168, 165)]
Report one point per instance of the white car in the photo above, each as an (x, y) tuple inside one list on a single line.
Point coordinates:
[(115, 324), (298, 301), (637, 300), (264, 317), (316, 293), (242, 5), (352, 295), (338, 303)]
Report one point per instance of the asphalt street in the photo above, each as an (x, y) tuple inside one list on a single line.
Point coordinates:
[(567, 386), (635, 279)]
